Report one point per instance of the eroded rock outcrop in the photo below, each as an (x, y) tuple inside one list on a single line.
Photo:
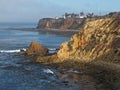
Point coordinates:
[(36, 49), (99, 39)]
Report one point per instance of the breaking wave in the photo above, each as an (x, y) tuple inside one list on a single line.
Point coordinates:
[(13, 51), (53, 50)]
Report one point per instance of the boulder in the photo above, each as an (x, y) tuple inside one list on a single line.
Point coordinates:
[(49, 59), (36, 49)]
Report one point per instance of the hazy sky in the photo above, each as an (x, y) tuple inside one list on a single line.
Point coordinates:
[(33, 10)]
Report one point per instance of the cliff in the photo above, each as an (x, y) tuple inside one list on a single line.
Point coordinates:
[(98, 45), (62, 24), (98, 40), (95, 51)]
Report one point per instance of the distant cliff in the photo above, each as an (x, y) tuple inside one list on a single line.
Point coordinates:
[(70, 23)]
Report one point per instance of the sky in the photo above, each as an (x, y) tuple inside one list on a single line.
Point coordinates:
[(33, 10)]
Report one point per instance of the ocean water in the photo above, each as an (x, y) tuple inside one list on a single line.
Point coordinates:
[(18, 25), (16, 39), (17, 72)]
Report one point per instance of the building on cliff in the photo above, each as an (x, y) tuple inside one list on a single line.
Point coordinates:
[(73, 15), (81, 15)]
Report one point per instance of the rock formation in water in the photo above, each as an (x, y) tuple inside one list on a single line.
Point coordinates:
[(62, 24), (36, 49), (98, 40)]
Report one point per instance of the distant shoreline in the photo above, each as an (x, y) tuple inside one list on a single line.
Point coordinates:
[(65, 30), (50, 29), (66, 33)]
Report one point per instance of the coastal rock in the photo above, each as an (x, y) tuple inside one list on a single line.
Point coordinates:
[(36, 49), (48, 59), (98, 40)]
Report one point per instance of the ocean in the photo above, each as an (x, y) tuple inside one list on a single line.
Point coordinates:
[(17, 72)]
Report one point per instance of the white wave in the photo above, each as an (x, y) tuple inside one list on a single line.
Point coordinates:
[(23, 49), (73, 71), (52, 49), (12, 51), (48, 71)]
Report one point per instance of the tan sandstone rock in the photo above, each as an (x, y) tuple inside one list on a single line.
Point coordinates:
[(98, 40), (36, 49)]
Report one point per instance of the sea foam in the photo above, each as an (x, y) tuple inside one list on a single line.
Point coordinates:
[(13, 51)]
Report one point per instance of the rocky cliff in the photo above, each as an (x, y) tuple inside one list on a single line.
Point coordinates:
[(70, 23), (98, 40)]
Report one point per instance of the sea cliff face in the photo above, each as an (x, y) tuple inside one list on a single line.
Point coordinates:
[(98, 40), (70, 23), (62, 24)]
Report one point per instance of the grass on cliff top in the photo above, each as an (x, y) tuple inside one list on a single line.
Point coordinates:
[(105, 73)]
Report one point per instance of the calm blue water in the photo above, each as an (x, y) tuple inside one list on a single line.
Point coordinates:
[(16, 39), (18, 73), (18, 25)]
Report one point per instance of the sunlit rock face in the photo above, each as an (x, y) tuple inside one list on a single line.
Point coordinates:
[(62, 24), (98, 40), (36, 49)]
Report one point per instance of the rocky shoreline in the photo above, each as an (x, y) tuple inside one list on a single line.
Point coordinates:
[(94, 50), (66, 33)]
